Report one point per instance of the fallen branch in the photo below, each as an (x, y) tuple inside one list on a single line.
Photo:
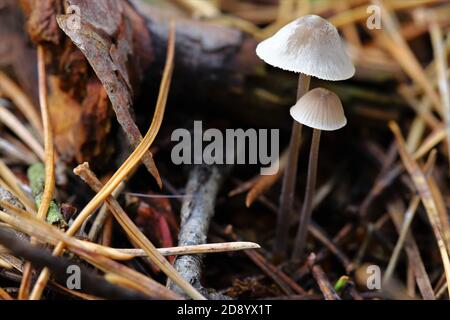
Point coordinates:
[(196, 213), (196, 249), (324, 284)]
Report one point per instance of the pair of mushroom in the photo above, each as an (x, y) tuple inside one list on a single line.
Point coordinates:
[(310, 46)]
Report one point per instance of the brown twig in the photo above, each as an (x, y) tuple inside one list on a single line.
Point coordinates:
[(324, 284)]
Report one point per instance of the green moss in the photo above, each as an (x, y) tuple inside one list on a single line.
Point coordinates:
[(36, 175)]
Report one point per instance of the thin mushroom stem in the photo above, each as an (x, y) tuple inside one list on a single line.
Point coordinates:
[(290, 175), (305, 215)]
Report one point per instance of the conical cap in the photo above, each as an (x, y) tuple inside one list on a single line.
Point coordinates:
[(319, 109), (309, 45)]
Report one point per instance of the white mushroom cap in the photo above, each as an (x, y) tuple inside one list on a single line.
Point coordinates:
[(319, 109), (309, 45)]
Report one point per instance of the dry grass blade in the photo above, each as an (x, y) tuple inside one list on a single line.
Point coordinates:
[(433, 139), (103, 215), (49, 160), (48, 138), (13, 184), (320, 235), (349, 31), (44, 232), (127, 254), (412, 250), (135, 234), (394, 42), (422, 108), (21, 101), (83, 296), (5, 264), (442, 66), (423, 187), (5, 295), (360, 13), (407, 220), (442, 210), (12, 261), (15, 149), (243, 186), (16, 126), (199, 9), (122, 282), (197, 249), (419, 107)]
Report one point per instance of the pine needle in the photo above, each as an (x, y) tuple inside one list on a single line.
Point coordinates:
[(22, 102), (49, 188), (395, 43), (197, 249), (13, 183), (44, 232), (360, 13), (16, 126), (441, 64), (424, 190), (5, 295)]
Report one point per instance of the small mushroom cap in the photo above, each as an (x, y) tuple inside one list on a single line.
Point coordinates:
[(319, 109), (309, 45)]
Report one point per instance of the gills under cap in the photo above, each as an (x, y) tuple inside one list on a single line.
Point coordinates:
[(310, 45), (319, 109)]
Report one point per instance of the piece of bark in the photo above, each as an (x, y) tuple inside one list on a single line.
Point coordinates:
[(41, 24), (196, 213), (105, 34), (16, 54), (211, 54)]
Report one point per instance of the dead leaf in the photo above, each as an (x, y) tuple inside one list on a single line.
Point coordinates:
[(152, 220), (106, 39)]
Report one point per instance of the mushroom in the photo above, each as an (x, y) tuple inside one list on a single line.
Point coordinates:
[(310, 46), (319, 109)]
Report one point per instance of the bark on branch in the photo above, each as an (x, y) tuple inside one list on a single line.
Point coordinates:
[(196, 213)]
